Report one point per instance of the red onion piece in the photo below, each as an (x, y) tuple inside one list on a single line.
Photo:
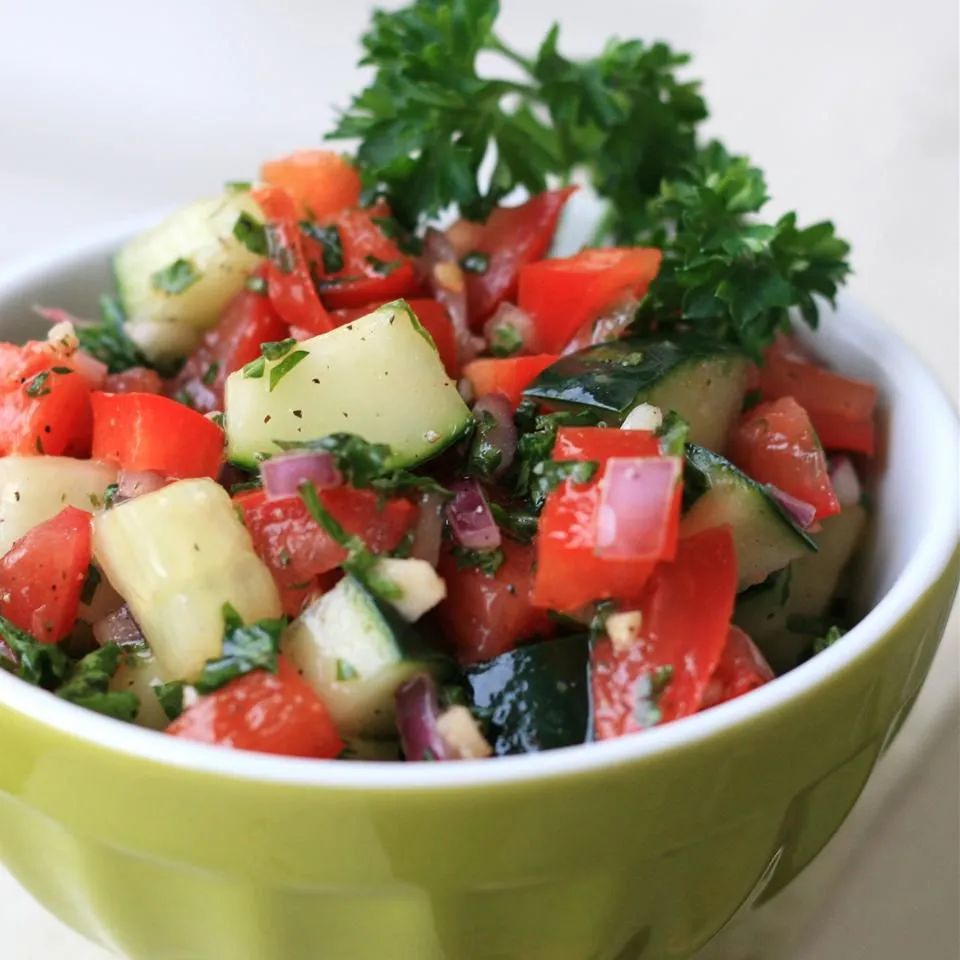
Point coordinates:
[(417, 711), (57, 315), (90, 368), (846, 483), (7, 654), (510, 315), (471, 519), (441, 271), (135, 483), (503, 434), (118, 627), (283, 475), (428, 533), (610, 325), (637, 502), (801, 512)]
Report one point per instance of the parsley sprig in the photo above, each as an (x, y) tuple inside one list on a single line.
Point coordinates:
[(431, 123)]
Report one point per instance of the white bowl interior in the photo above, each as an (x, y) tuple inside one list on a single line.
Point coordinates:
[(915, 496)]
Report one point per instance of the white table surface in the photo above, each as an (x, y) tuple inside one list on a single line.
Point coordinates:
[(109, 108)]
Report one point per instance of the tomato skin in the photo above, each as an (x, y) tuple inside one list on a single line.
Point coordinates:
[(248, 321), (686, 610), (360, 281), (841, 409), (297, 550), (509, 376), (432, 315), (263, 712), (563, 294), (57, 419), (290, 285), (483, 616), (320, 181), (569, 571), (742, 668), (42, 575), (776, 443), (511, 237), (143, 431)]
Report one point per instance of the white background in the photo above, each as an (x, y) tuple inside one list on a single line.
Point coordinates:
[(112, 107)]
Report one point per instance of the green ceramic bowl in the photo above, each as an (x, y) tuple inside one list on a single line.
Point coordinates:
[(639, 848)]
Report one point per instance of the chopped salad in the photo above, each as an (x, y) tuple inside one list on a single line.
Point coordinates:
[(352, 466)]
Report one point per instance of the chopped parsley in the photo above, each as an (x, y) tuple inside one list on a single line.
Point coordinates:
[(254, 369), (37, 386), (475, 262), (382, 268), (89, 682), (330, 242), (251, 233), (90, 583), (488, 562), (647, 693), (42, 664), (246, 647), (828, 639), (505, 340), (175, 277), (289, 361), (485, 457), (170, 697), (346, 671), (549, 474), (209, 377), (107, 340)]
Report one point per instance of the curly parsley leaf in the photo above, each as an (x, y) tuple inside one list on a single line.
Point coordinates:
[(246, 647), (170, 697), (89, 682), (725, 274)]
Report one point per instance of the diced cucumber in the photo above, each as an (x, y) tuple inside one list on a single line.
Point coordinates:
[(766, 539), (177, 556), (379, 377), (703, 382), (35, 489), (536, 697), (168, 323), (354, 650), (782, 617), (140, 673)]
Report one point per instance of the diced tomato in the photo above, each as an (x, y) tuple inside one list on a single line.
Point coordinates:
[(374, 268), (44, 403), (686, 610), (42, 575), (509, 376), (842, 409), (143, 431), (248, 321), (289, 280), (776, 443), (571, 570), (434, 317), (511, 237), (484, 616), (264, 712), (563, 294), (742, 668), (321, 181), (134, 380), (297, 550)]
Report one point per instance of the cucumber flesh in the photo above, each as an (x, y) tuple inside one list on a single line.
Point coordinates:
[(766, 539), (140, 673), (355, 652), (177, 556), (777, 616), (379, 377), (36, 489), (168, 325)]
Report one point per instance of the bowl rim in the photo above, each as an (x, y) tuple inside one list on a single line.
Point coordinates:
[(927, 563)]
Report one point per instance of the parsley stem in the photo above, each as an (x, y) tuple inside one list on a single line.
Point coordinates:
[(496, 45)]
